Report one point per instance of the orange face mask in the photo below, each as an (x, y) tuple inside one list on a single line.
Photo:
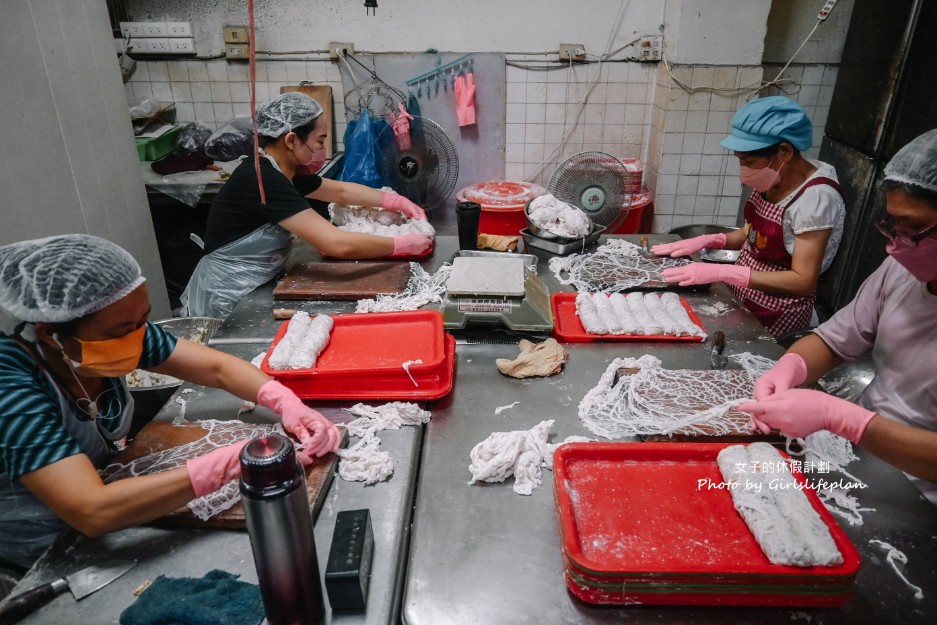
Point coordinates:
[(112, 358)]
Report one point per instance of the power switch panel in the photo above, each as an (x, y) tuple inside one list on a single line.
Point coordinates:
[(348, 572), (825, 11), (650, 48)]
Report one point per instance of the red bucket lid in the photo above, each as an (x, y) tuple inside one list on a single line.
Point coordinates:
[(500, 194)]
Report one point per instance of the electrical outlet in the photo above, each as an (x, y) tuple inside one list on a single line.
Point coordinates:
[(337, 50), (182, 45), (154, 29), (650, 48), (237, 51), (572, 52), (157, 45), (236, 34), (178, 29), (131, 29)]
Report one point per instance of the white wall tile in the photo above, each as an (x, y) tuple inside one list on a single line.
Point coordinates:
[(693, 143), (553, 133), (709, 185), (516, 92), (635, 113), (615, 113), (687, 185), (201, 92), (673, 143), (696, 121), (595, 114), (217, 70), (185, 112), (689, 164), (514, 133), (205, 113), (161, 91), (555, 113), (238, 72), (813, 75), (177, 71), (198, 71), (276, 71), (240, 91), (711, 143), (592, 133), (533, 133), (159, 72), (664, 204), (719, 122), (515, 74), (618, 72), (515, 113), (220, 91), (223, 111), (296, 72), (676, 121), (616, 93), (667, 183), (514, 152), (535, 113), (704, 206), (712, 164), (141, 73), (181, 91), (142, 90)]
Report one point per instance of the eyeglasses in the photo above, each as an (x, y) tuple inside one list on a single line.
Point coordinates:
[(904, 238)]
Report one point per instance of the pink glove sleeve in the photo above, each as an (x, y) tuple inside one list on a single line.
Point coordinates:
[(317, 434), (401, 126), (799, 412), (790, 371), (706, 273), (210, 472), (465, 99), (395, 202), (411, 245), (690, 246)]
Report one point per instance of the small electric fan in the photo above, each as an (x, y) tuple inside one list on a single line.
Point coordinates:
[(596, 182), (423, 169)]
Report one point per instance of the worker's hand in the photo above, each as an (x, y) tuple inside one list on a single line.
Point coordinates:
[(395, 202), (317, 434), (210, 472), (465, 99), (800, 412), (686, 247), (706, 273), (788, 372), (411, 245)]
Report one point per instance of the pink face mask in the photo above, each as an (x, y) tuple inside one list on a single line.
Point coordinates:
[(920, 260), (760, 179)]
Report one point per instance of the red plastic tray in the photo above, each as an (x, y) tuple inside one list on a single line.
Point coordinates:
[(568, 328), (364, 356), (636, 528)]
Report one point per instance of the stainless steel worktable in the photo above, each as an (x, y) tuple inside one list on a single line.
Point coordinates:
[(483, 554), (178, 552)]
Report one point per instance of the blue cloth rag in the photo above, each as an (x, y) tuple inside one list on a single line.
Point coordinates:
[(218, 598)]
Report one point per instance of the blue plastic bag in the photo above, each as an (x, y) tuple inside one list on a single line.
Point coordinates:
[(361, 151)]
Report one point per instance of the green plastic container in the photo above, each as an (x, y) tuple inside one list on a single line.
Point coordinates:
[(153, 148)]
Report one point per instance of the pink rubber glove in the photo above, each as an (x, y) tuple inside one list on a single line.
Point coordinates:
[(411, 245), (395, 202), (318, 435), (401, 126), (790, 371), (210, 472), (465, 99), (799, 412), (690, 246), (705, 273)]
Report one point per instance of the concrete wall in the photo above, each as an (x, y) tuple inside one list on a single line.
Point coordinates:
[(71, 164)]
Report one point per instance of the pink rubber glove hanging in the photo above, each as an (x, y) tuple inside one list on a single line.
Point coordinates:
[(790, 371), (407, 245), (690, 246), (401, 126), (318, 435), (465, 99), (706, 273), (800, 412), (395, 202)]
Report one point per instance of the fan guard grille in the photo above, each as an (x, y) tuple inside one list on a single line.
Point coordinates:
[(425, 172), (596, 182)]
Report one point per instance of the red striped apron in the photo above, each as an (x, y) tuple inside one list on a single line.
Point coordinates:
[(764, 251)]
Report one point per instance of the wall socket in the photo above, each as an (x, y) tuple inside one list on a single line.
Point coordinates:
[(236, 34), (337, 50), (650, 48), (572, 52), (237, 51)]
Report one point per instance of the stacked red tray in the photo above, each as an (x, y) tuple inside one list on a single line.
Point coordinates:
[(641, 524), (365, 355)]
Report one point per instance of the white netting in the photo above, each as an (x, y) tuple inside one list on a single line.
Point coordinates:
[(422, 288), (521, 453), (364, 462), (219, 434), (615, 266), (655, 400), (895, 555)]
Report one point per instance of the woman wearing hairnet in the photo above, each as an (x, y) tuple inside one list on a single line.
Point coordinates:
[(247, 242), (65, 408), (793, 219), (894, 314)]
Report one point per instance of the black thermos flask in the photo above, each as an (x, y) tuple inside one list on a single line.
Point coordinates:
[(279, 522), (467, 218)]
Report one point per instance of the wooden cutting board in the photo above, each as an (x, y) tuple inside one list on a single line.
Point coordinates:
[(740, 432), (158, 436), (342, 280), (323, 95)]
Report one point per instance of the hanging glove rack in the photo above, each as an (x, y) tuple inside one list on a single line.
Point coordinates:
[(442, 75)]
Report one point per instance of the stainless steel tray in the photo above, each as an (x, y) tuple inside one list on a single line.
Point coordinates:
[(529, 259), (719, 256), (562, 247)]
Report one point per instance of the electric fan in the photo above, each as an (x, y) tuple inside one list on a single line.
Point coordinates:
[(596, 182), (423, 167)]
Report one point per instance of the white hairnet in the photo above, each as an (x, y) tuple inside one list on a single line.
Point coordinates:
[(286, 112), (916, 163), (62, 278)]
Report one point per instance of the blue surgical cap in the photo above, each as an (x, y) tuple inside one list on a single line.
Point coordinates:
[(768, 121), (916, 163)]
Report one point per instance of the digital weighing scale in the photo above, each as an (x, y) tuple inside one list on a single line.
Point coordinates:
[(494, 288)]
